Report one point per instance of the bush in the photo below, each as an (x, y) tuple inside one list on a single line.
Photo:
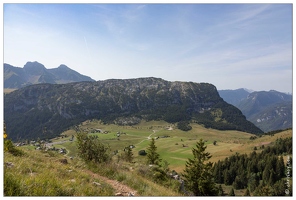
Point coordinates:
[(91, 149), (9, 147), (142, 153), (184, 126)]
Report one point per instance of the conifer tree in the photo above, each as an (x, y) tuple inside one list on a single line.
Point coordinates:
[(280, 168), (253, 181), (272, 177), (227, 177), (266, 172), (152, 156), (198, 172), (128, 154), (218, 172)]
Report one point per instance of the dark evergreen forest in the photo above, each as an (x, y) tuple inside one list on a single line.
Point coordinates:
[(263, 174)]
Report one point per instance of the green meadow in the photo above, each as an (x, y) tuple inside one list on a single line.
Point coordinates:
[(173, 145)]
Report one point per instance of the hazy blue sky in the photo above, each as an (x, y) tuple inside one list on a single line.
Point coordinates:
[(229, 45)]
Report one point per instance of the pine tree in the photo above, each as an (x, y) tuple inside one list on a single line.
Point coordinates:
[(272, 177), (152, 156), (280, 168), (266, 172), (218, 172), (253, 181), (128, 154), (227, 177), (198, 172)]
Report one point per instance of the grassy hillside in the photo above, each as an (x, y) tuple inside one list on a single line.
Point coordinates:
[(46, 173), (176, 148), (40, 173)]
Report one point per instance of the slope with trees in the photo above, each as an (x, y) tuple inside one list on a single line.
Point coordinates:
[(268, 110), (57, 107), (258, 172), (198, 176)]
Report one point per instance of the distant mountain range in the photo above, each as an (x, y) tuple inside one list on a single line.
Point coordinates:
[(268, 110), (34, 73), (46, 110)]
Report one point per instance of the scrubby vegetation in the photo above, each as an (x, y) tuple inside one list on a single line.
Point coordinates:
[(90, 148)]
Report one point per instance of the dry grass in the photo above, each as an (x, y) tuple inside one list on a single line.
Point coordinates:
[(41, 174)]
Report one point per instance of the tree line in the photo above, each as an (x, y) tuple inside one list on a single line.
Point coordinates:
[(263, 174)]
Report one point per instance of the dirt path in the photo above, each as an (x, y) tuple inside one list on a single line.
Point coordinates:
[(120, 189), (148, 138)]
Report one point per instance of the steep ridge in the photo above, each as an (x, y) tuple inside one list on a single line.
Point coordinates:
[(268, 110), (45, 110), (256, 101), (234, 97)]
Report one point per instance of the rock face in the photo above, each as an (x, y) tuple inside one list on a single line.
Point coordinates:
[(29, 110), (34, 73)]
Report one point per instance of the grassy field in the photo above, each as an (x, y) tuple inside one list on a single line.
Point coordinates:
[(177, 148)]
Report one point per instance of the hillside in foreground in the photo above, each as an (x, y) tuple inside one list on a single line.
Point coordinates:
[(49, 173)]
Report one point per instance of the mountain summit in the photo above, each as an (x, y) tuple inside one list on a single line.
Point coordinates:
[(56, 107), (34, 73)]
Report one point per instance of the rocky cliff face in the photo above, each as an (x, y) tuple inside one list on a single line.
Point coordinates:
[(28, 110)]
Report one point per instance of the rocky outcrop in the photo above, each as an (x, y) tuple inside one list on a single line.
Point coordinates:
[(57, 106)]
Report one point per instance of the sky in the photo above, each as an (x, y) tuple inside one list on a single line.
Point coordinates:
[(229, 45)]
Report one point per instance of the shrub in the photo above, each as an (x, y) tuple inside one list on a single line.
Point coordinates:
[(142, 153), (9, 147), (184, 126), (91, 149)]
